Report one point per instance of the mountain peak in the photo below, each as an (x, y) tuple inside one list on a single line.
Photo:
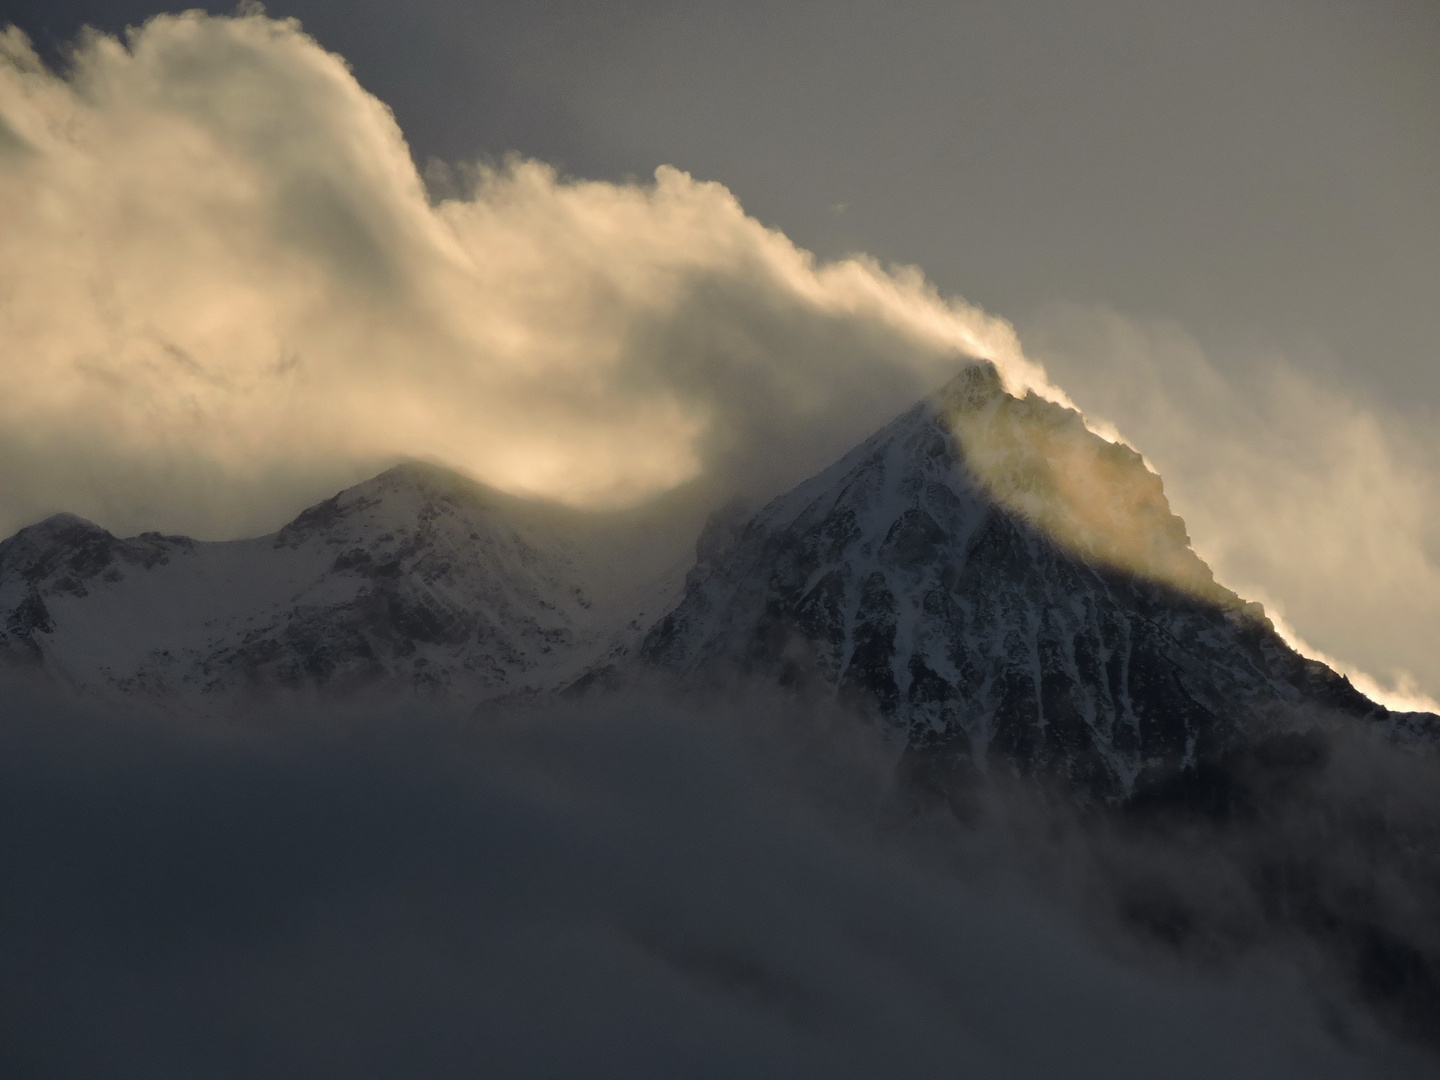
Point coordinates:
[(1037, 459), (398, 499), (1000, 585), (975, 386), (57, 526), (429, 477)]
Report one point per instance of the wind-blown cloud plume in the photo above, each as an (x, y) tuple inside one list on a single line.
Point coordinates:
[(226, 288), (1298, 494)]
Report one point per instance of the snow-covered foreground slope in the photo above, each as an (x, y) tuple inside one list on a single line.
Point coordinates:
[(418, 579), (1001, 584)]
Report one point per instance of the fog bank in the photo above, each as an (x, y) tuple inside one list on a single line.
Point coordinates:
[(634, 887)]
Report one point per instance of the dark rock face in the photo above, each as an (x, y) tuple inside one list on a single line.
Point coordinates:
[(1007, 590)]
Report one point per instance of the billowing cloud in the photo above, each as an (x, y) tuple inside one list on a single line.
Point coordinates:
[(225, 287), (1297, 493)]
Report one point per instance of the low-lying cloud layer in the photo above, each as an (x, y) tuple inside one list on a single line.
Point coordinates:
[(629, 889), (226, 288)]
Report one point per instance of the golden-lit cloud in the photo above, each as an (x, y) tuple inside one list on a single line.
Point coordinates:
[(1093, 497), (224, 288), (225, 291), (1298, 494)]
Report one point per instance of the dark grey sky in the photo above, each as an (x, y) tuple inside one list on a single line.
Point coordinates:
[(1265, 172)]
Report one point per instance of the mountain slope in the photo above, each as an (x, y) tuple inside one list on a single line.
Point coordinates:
[(990, 578), (1000, 585), (417, 579)]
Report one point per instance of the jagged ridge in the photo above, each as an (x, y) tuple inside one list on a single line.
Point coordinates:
[(1001, 586)]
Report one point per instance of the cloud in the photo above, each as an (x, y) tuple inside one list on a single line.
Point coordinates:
[(630, 888), (225, 291), (226, 288), (1296, 491)]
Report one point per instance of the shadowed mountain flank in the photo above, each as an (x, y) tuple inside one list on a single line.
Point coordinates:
[(1005, 589)]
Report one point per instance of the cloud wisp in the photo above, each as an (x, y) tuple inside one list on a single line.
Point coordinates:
[(1297, 493)]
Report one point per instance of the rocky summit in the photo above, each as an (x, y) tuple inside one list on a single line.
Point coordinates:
[(1003, 588)]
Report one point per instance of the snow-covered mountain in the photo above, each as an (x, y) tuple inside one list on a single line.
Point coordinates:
[(991, 579), (418, 579), (1001, 585)]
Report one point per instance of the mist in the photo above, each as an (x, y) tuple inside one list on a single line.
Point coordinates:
[(629, 886)]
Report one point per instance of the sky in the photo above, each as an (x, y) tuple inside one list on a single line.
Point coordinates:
[(1215, 227)]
